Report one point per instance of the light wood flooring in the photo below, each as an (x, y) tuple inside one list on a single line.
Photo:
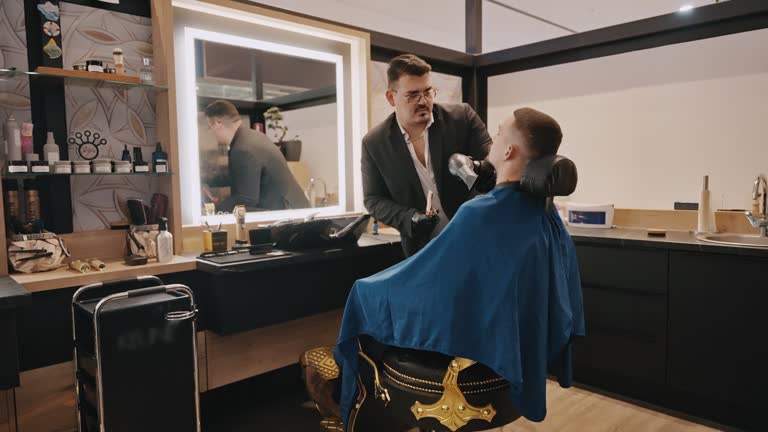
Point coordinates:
[(576, 409)]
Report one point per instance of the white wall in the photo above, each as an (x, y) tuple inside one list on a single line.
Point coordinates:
[(436, 22), (316, 128), (644, 127)]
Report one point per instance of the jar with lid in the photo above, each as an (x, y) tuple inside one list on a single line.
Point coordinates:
[(39, 166), (95, 65), (62, 167), (102, 166), (122, 167), (17, 166), (81, 167)]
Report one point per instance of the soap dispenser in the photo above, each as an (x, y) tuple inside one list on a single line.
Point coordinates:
[(164, 243)]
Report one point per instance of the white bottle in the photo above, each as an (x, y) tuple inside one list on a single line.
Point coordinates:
[(50, 149), (705, 210), (164, 243), (13, 138)]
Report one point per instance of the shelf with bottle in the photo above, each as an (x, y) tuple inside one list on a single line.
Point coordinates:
[(83, 78), (23, 163), (29, 175)]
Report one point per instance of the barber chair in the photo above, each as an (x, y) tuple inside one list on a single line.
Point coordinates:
[(406, 389)]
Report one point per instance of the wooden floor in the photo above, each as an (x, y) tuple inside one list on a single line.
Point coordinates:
[(259, 405), (569, 410), (580, 410)]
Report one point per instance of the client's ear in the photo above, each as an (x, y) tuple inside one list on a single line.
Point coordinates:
[(512, 152)]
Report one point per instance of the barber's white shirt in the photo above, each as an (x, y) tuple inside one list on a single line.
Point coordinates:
[(427, 176)]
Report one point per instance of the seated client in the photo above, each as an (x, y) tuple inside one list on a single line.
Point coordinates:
[(499, 286)]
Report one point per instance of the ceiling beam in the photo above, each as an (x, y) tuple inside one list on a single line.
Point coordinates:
[(473, 27), (700, 23)]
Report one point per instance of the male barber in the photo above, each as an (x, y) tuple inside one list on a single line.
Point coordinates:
[(259, 176), (405, 158)]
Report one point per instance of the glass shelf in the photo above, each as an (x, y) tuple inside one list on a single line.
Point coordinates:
[(7, 175), (71, 77)]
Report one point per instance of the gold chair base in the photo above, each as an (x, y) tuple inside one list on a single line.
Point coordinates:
[(452, 410)]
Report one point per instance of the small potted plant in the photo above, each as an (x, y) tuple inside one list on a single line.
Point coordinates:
[(291, 149)]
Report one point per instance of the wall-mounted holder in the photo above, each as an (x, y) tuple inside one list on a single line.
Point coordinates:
[(87, 144)]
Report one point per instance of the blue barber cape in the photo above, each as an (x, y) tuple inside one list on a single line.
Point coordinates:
[(500, 285)]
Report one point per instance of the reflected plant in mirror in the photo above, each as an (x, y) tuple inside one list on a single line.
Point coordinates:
[(291, 149), (273, 118), (246, 100)]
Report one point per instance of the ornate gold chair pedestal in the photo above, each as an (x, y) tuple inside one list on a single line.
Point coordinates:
[(452, 410), (410, 388)]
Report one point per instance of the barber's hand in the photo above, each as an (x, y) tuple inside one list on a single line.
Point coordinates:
[(486, 176), (422, 225)]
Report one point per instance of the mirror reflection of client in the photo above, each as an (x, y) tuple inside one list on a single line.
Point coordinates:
[(259, 177)]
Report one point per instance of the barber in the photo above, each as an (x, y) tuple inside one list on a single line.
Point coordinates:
[(259, 176), (405, 158)]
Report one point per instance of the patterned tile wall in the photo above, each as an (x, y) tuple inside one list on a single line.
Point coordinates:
[(123, 117), (14, 92)]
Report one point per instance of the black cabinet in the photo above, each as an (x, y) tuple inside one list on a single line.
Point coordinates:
[(676, 328), (12, 297), (625, 304), (241, 300), (9, 354), (718, 332)]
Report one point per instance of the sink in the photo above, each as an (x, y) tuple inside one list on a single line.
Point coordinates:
[(736, 239)]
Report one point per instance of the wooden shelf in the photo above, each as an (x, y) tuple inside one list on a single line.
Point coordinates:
[(81, 78), (66, 73), (65, 277)]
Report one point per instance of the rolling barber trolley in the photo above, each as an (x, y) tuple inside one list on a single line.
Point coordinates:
[(135, 357)]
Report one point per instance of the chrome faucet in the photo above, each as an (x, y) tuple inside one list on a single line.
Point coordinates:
[(763, 222)]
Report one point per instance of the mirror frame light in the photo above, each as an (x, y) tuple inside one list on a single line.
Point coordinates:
[(189, 155)]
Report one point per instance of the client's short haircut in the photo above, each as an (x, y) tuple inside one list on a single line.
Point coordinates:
[(222, 109), (541, 132)]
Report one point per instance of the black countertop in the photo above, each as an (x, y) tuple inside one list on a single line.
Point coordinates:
[(367, 243), (674, 240), (632, 237), (12, 294)]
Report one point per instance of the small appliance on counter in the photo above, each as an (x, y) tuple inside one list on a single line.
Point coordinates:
[(319, 233), (590, 215)]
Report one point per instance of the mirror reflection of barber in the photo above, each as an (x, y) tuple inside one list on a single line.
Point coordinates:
[(258, 175), (405, 158)]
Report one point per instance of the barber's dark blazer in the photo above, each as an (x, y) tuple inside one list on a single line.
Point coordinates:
[(259, 176), (391, 185)]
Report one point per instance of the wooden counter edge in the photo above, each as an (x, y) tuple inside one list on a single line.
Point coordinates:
[(66, 278)]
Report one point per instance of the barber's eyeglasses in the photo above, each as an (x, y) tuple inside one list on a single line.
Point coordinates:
[(414, 98)]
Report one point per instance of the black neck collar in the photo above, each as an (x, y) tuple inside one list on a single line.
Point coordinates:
[(514, 185)]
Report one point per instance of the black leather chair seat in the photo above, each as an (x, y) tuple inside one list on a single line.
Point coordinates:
[(412, 376)]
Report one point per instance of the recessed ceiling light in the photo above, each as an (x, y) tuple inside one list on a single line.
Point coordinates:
[(685, 8)]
